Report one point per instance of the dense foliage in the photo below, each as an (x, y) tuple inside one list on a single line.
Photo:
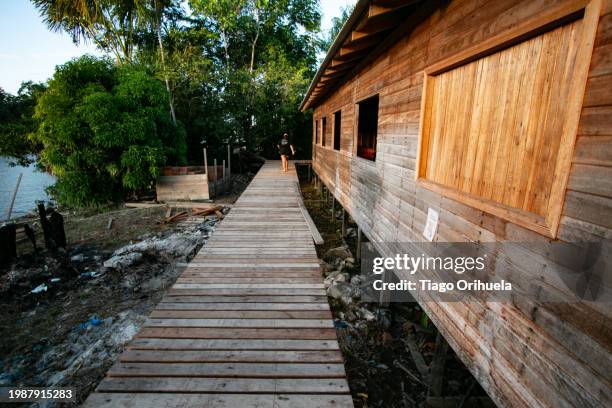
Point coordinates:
[(105, 130), (260, 57), (185, 75), (17, 123)]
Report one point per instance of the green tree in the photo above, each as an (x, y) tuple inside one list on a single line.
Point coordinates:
[(17, 123), (105, 131), (328, 38), (113, 25), (251, 36)]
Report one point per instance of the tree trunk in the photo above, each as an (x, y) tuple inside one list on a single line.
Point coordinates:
[(163, 62)]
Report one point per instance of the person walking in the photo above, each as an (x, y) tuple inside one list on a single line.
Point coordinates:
[(286, 149)]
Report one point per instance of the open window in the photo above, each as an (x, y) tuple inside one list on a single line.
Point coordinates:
[(337, 129), (324, 140), (498, 127), (367, 128), (316, 135)]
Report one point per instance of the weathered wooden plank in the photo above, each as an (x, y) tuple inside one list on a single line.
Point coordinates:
[(246, 292), (225, 385), (136, 400), (230, 333), (240, 314), (229, 305), (231, 344), (591, 179), (254, 266), (228, 370), (236, 323), (172, 298), (248, 285), (217, 356)]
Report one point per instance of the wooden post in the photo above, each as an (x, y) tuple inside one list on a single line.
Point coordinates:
[(224, 182), (436, 368), (215, 175), (333, 209), (10, 209), (229, 161), (206, 172), (358, 252), (309, 171)]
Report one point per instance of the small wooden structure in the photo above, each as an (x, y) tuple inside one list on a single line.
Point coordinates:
[(183, 184), (247, 324), (194, 183), (497, 115)]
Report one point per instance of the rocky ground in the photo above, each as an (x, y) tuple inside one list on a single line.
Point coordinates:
[(66, 316), (388, 349)]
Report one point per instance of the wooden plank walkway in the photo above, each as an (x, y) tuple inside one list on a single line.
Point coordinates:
[(247, 324)]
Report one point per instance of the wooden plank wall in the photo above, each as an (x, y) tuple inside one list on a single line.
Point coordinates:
[(182, 187), (524, 354)]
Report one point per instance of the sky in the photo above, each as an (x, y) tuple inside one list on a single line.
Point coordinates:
[(29, 51)]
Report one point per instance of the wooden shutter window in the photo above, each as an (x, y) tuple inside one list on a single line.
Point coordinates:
[(496, 130)]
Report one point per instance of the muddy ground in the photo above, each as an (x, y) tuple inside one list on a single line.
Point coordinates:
[(91, 299), (376, 341)]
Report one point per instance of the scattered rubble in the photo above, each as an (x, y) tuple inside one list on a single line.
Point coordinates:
[(67, 315)]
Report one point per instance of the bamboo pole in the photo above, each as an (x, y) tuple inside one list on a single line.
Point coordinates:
[(10, 209)]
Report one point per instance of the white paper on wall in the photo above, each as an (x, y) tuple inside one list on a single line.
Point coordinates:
[(431, 226)]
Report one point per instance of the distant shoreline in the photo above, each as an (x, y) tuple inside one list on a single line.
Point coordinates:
[(32, 188)]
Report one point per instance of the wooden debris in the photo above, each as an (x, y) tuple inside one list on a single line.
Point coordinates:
[(207, 211), (416, 355), (189, 204), (175, 217), (407, 371), (143, 205)]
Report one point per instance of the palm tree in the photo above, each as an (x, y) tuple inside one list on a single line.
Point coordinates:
[(111, 24)]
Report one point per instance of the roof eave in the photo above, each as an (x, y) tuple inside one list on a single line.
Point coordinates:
[(360, 7)]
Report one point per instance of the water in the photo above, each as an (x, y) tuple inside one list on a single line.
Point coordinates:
[(32, 188)]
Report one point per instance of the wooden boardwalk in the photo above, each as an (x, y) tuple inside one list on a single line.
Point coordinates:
[(247, 324)]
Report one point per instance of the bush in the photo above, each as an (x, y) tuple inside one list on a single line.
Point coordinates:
[(17, 123), (105, 131)]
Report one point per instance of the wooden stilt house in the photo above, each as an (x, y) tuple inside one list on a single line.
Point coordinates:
[(498, 116)]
